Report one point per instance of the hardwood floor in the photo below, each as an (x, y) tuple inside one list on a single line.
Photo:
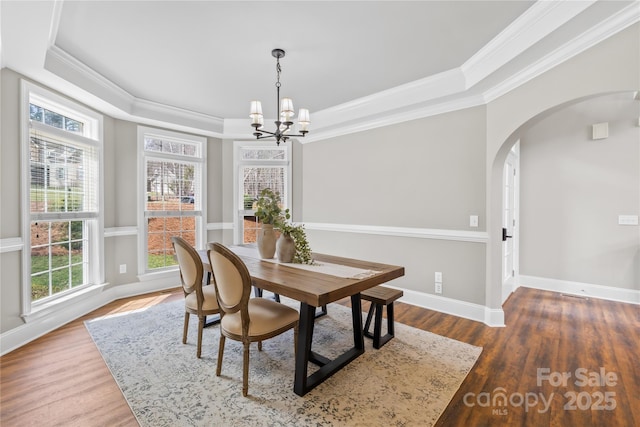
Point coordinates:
[(61, 379)]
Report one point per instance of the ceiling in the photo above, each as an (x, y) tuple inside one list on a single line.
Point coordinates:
[(353, 64)]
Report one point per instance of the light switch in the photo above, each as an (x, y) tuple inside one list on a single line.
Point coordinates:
[(627, 219), (473, 221)]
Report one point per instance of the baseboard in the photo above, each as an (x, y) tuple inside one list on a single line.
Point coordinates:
[(23, 334), (467, 310), (631, 296)]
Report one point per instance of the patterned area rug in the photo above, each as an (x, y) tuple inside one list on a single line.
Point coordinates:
[(408, 382)]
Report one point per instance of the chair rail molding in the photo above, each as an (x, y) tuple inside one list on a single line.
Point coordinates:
[(419, 233), (120, 231), (11, 244), (219, 226)]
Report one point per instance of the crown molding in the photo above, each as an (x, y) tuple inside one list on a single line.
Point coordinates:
[(392, 118), (537, 22), (440, 85), (62, 64), (71, 69), (441, 93), (607, 28)]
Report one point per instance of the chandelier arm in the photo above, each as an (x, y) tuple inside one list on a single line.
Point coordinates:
[(272, 135), (261, 131)]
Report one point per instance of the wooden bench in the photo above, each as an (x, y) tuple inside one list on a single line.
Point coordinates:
[(380, 297)]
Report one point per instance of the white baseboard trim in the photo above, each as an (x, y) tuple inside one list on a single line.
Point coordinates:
[(467, 310), (23, 334), (631, 296), (28, 332)]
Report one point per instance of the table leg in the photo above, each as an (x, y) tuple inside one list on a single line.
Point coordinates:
[(215, 320), (305, 337), (303, 383), (356, 313)]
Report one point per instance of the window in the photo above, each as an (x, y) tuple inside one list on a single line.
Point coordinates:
[(173, 199), (257, 167), (62, 154)]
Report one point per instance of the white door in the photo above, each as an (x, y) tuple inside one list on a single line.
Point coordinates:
[(510, 223)]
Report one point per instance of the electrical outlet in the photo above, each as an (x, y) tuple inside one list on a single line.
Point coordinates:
[(439, 288), (123, 268), (438, 277)]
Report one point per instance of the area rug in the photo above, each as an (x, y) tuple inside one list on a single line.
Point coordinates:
[(408, 382)]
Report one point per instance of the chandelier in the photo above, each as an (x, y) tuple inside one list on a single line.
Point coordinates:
[(285, 108)]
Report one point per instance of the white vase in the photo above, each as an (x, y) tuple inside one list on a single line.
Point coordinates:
[(266, 241), (286, 247)]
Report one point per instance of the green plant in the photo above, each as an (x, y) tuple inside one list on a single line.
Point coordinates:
[(248, 202), (303, 250), (268, 208)]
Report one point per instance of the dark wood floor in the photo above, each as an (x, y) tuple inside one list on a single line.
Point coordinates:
[(61, 379)]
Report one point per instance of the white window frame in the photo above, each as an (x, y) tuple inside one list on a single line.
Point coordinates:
[(201, 199), (238, 197), (92, 135)]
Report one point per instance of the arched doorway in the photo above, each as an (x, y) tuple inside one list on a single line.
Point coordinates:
[(496, 260)]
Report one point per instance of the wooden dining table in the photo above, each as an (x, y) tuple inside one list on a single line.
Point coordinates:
[(313, 289)]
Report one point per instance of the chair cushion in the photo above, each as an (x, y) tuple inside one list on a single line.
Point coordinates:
[(266, 316), (210, 300)]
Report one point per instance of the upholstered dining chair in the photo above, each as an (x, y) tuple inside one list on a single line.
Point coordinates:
[(199, 300), (244, 318)]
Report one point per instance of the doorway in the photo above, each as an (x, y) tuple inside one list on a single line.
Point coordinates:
[(510, 221)]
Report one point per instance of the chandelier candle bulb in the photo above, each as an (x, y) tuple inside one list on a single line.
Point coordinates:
[(303, 120), (256, 112), (256, 108), (286, 107)]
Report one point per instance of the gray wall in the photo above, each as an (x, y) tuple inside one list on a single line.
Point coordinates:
[(430, 173), (425, 174), (572, 190), (608, 67), (120, 199)]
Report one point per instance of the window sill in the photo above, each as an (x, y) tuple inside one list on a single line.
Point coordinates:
[(164, 274), (59, 304)]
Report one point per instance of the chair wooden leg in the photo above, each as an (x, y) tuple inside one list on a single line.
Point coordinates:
[(186, 327), (259, 345), (200, 328), (220, 353), (245, 370)]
